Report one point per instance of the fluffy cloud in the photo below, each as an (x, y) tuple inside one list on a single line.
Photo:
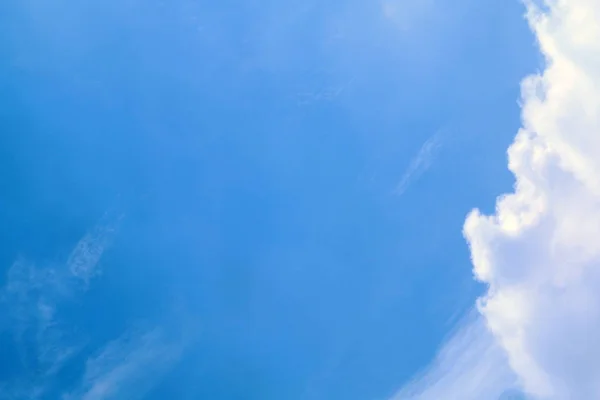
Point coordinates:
[(540, 252)]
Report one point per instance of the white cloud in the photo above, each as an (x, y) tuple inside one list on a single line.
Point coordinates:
[(540, 253), (420, 163)]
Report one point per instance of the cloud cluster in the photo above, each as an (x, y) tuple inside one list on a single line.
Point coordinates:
[(539, 253)]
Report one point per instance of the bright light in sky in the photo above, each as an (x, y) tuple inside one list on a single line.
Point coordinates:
[(270, 200)]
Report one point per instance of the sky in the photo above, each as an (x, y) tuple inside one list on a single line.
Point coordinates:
[(299, 200)]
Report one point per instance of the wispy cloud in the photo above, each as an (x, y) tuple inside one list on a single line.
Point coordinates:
[(326, 94), (128, 367), (33, 297), (84, 258), (420, 163), (539, 253), (470, 366)]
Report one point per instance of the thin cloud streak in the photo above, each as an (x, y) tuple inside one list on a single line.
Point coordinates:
[(420, 163), (128, 367), (470, 366)]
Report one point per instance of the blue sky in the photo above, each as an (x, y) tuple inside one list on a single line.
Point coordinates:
[(242, 200)]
